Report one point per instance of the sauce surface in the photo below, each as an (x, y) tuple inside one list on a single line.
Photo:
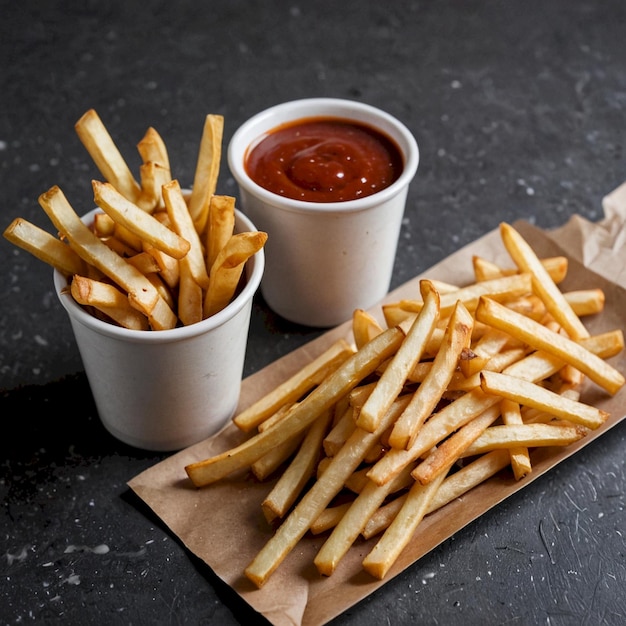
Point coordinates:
[(324, 159)]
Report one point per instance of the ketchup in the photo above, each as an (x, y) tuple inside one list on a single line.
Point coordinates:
[(324, 159)]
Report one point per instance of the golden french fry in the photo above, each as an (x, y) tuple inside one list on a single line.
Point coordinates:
[(586, 301), (364, 327), (530, 394), (340, 432), (429, 393), (394, 377), (354, 369), (392, 380), (109, 300), (152, 149), (44, 246), (353, 521), (105, 154), (183, 225), (153, 176), (317, 498), (295, 387), (277, 456), (207, 169), (444, 456), (220, 226), (490, 344), (527, 435), (329, 518), (439, 426), (190, 297), (93, 251), (543, 285), (520, 457), (454, 486), (486, 270), (139, 222), (500, 289), (541, 338), (293, 480), (228, 267), (144, 262), (395, 538)]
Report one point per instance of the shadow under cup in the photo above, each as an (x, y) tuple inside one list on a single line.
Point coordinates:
[(324, 259), (168, 389)]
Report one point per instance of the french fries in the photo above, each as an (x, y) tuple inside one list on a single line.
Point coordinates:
[(174, 258), (463, 383)]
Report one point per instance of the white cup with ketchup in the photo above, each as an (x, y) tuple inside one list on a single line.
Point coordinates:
[(327, 179)]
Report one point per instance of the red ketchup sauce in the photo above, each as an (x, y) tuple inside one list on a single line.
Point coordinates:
[(324, 159)]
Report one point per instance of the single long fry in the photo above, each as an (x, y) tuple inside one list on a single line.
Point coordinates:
[(392, 380), (528, 435), (109, 300), (220, 226), (207, 169), (44, 246), (357, 367), (190, 297), (228, 267), (541, 338), (543, 285), (93, 251), (317, 498), (106, 155), (484, 269), (429, 393), (520, 457), (183, 225), (530, 394), (138, 221)]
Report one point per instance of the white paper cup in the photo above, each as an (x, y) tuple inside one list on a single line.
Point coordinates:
[(165, 390), (324, 260)]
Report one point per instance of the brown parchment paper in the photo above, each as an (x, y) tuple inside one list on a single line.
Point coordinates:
[(223, 525)]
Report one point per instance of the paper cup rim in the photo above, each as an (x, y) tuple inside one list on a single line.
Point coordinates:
[(254, 273), (250, 133)]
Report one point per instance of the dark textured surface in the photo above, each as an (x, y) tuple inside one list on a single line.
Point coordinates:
[(518, 109)]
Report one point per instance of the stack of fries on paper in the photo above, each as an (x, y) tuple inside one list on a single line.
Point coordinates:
[(454, 387), (155, 258)]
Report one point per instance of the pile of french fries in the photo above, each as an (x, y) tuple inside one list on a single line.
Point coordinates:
[(156, 257), (452, 388)]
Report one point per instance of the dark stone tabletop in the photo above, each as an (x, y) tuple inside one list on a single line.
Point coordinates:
[(519, 109)]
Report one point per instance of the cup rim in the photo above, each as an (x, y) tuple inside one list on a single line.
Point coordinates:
[(255, 128), (254, 273)]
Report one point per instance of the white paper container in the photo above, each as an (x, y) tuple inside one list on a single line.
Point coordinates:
[(165, 390), (323, 260)]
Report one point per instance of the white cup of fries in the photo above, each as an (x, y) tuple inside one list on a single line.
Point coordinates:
[(166, 389), (324, 259)]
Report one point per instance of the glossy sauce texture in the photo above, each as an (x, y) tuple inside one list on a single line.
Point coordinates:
[(324, 160)]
